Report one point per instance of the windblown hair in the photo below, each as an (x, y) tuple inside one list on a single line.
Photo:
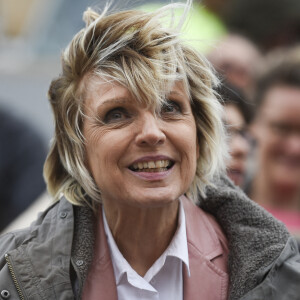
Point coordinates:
[(135, 49)]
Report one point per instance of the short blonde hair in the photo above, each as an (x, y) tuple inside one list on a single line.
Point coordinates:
[(135, 49)]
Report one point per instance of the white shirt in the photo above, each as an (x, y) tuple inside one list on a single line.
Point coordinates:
[(164, 280)]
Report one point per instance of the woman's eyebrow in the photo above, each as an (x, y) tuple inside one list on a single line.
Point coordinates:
[(109, 101)]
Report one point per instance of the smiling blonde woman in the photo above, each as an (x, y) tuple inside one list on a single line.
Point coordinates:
[(143, 209)]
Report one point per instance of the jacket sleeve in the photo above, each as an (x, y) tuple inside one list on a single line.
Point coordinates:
[(283, 280)]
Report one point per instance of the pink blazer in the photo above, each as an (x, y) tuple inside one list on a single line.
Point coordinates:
[(208, 252)]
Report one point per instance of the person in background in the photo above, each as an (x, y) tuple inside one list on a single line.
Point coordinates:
[(237, 60), (22, 156), (237, 114), (276, 128), (269, 24)]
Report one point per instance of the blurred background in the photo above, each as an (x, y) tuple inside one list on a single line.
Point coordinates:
[(34, 32), (239, 38), (32, 36)]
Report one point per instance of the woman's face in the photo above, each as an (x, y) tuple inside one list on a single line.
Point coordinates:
[(277, 129), (238, 144), (136, 157)]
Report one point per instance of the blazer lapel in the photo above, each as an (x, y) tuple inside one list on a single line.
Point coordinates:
[(100, 283), (208, 278)]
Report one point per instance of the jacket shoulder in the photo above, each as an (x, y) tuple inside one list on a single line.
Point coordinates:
[(14, 239), (47, 276), (283, 280)]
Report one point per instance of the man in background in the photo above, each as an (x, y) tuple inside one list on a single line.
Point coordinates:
[(22, 155), (276, 127)]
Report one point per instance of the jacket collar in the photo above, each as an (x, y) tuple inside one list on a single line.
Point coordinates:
[(101, 270), (201, 233), (204, 248), (255, 238)]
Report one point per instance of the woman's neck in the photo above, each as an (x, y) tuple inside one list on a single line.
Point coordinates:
[(142, 234)]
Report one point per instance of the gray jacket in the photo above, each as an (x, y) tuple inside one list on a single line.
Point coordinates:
[(50, 259)]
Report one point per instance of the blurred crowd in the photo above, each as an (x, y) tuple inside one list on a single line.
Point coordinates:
[(259, 65), (254, 46)]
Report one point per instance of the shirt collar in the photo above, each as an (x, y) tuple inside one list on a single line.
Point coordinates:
[(178, 248), (120, 264)]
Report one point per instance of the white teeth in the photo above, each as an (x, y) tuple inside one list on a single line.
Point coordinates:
[(159, 164), (151, 164)]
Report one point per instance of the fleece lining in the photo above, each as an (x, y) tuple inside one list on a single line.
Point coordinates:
[(255, 238)]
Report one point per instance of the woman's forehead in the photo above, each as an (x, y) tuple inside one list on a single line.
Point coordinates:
[(99, 90)]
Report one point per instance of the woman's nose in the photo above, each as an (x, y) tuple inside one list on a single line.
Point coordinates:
[(149, 131), (292, 144), (239, 147)]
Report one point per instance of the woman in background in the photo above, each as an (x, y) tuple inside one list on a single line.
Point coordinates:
[(237, 114), (275, 183)]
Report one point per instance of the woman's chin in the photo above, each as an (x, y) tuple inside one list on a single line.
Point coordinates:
[(151, 200)]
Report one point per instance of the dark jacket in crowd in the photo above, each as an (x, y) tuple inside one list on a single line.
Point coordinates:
[(22, 155)]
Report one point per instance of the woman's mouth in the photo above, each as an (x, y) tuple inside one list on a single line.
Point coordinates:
[(152, 166), (237, 176)]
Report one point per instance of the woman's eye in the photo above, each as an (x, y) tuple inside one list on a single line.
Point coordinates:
[(116, 115), (281, 128), (170, 107)]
